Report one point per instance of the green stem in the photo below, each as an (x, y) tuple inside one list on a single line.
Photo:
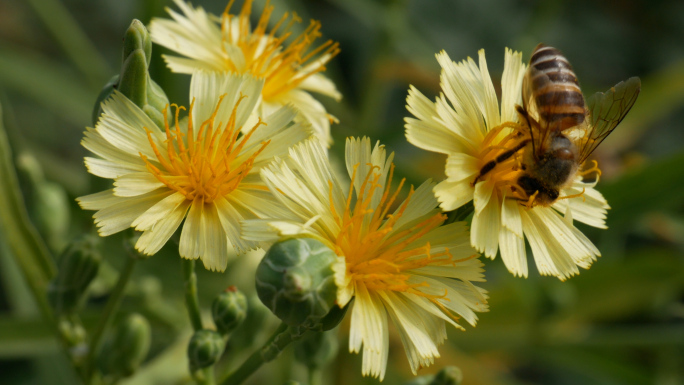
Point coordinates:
[(191, 300), (111, 308), (315, 376), (282, 337), (206, 376)]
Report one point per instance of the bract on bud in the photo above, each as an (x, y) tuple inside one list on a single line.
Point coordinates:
[(128, 348), (77, 267), (295, 281), (134, 80), (205, 348), (451, 375), (228, 310), (49, 204)]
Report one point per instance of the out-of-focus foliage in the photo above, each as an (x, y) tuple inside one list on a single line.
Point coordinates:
[(621, 322)]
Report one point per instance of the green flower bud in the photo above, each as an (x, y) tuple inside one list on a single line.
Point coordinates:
[(451, 375), (316, 350), (295, 281), (137, 38), (293, 382), (205, 348), (48, 205), (134, 80), (229, 309), (77, 268), (128, 348), (72, 332)]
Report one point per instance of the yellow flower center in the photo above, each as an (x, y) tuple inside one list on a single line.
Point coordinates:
[(504, 176), (206, 165), (374, 256), (266, 56)]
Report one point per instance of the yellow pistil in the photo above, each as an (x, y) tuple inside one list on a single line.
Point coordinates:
[(283, 67), (206, 165), (374, 258)]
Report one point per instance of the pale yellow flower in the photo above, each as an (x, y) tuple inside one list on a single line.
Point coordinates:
[(467, 124), (399, 264), (291, 66), (202, 169)]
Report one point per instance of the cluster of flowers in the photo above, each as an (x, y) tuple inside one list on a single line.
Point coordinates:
[(249, 166)]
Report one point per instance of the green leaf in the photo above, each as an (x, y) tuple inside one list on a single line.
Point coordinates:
[(46, 82), (72, 39), (28, 248)]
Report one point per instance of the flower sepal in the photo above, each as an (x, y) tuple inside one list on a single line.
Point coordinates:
[(134, 80)]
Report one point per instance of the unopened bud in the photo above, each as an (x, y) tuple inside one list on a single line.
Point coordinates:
[(316, 349), (205, 348), (451, 375), (228, 310), (134, 80), (128, 348), (49, 206), (295, 281), (78, 266)]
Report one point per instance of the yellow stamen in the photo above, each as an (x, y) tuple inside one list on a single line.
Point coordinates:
[(584, 199), (375, 255), (504, 176), (207, 165), (283, 67)]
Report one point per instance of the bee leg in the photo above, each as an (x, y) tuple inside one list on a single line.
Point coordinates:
[(530, 202), (489, 166), (584, 199), (594, 168)]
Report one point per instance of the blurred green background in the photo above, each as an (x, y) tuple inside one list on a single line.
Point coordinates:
[(621, 322)]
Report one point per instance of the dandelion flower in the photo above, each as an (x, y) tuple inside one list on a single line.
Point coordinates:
[(399, 265), (467, 124), (228, 43), (202, 169)]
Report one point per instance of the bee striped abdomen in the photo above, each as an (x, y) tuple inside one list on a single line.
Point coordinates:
[(555, 89)]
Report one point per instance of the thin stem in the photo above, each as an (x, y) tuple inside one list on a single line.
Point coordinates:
[(192, 304), (191, 300), (315, 376), (111, 308), (282, 337)]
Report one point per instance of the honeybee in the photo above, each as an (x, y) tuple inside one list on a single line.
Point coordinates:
[(559, 130)]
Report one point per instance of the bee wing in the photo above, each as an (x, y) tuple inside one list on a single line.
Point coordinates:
[(606, 111)]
